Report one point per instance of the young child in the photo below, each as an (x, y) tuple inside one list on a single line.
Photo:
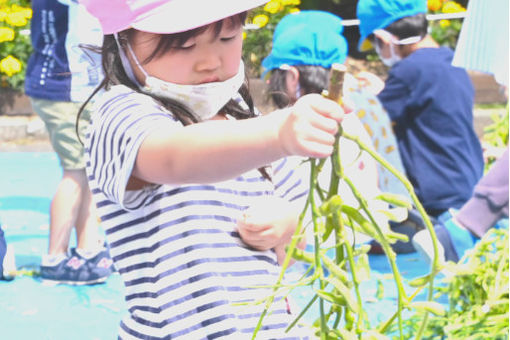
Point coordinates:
[(429, 101), (305, 45), (179, 163), (60, 77)]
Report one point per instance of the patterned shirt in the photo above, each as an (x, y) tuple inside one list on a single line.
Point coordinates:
[(186, 271)]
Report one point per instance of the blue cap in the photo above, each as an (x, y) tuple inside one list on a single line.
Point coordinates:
[(307, 38), (378, 14)]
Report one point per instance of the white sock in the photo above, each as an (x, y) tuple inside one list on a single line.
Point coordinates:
[(88, 253), (53, 260)]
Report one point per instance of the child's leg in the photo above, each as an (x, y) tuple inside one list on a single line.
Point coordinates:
[(3, 250)]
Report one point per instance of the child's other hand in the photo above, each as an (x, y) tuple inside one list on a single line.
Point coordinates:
[(268, 223), (308, 128)]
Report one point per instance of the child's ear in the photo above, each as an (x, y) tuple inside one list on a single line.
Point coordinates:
[(292, 79)]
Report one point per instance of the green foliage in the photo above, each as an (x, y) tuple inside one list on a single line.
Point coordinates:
[(446, 32), (336, 279), (496, 136), (477, 292), (15, 45), (259, 33)]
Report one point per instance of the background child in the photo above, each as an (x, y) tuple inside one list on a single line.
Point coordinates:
[(305, 45), (429, 101), (60, 76), (179, 163)]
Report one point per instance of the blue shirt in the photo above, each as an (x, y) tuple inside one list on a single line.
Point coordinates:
[(60, 68), (430, 103)]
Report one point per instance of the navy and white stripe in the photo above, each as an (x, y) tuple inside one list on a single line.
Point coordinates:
[(185, 269)]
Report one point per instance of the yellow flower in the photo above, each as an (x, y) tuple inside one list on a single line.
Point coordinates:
[(10, 65), (434, 5), (244, 35), (294, 10), (6, 34), (272, 6), (3, 15), (444, 23), (261, 20), (18, 19), (452, 7), (291, 2)]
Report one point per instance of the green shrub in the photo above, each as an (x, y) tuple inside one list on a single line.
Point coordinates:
[(15, 45)]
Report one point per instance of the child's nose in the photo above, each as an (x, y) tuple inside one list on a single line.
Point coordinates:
[(208, 61)]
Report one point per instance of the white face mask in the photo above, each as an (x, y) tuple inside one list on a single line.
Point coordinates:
[(204, 100), (392, 59)]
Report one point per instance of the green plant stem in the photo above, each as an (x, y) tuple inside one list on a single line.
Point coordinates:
[(390, 254), (317, 242), (435, 262), (388, 322), (352, 263), (288, 256)]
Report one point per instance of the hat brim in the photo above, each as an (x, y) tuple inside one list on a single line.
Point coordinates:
[(183, 15), (365, 45)]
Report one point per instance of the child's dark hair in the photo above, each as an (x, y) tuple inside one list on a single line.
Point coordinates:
[(312, 79), (411, 26), (114, 73)]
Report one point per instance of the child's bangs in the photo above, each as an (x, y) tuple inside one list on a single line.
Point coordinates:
[(170, 41)]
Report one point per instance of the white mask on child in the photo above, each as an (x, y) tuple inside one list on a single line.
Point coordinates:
[(204, 100), (392, 59)]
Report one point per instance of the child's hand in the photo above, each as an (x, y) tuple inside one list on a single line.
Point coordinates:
[(269, 224), (309, 127)]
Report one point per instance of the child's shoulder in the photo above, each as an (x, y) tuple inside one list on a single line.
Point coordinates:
[(118, 96), (119, 92)]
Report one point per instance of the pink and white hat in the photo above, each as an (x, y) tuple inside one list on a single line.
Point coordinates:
[(164, 16)]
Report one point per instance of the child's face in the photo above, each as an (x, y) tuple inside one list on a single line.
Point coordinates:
[(207, 57)]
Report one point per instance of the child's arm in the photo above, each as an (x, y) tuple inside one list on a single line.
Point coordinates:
[(270, 224), (219, 150)]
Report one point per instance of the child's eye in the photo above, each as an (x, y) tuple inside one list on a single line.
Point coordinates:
[(228, 38), (185, 47)]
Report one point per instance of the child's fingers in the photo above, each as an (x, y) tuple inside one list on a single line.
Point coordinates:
[(325, 107), (317, 150), (252, 227)]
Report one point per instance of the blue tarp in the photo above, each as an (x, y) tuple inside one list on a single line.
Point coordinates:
[(31, 310)]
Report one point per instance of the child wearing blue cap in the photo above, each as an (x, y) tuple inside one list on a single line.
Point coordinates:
[(305, 45), (430, 103)]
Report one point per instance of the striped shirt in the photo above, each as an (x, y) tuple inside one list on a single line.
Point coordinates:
[(186, 272)]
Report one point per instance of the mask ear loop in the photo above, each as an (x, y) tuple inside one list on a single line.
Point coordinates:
[(390, 37), (125, 62)]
